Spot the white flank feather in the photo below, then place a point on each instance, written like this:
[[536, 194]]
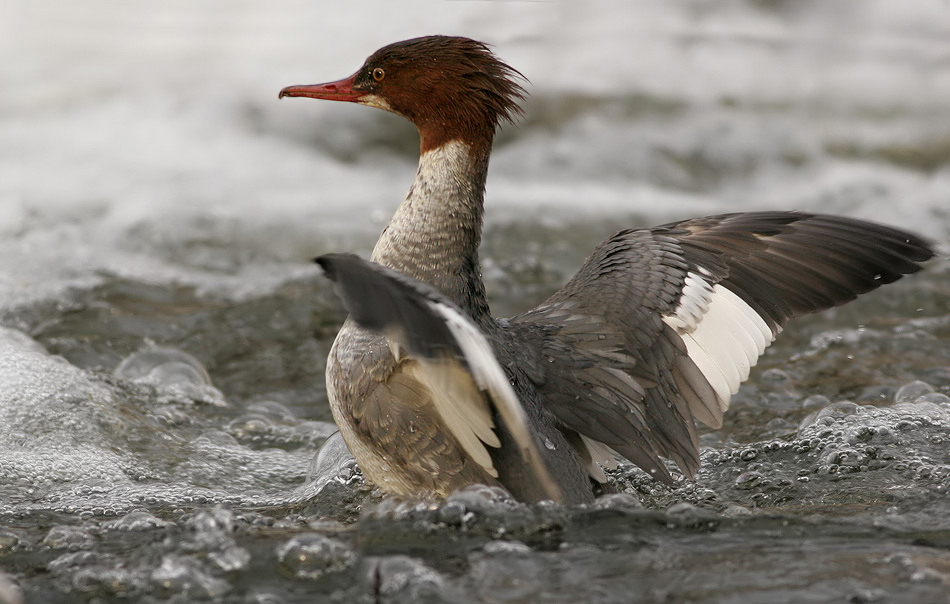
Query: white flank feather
[[491, 378], [461, 405]]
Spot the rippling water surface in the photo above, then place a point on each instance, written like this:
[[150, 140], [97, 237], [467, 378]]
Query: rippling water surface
[[164, 431]]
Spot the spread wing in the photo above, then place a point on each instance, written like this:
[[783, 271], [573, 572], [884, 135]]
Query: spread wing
[[451, 361], [660, 325]]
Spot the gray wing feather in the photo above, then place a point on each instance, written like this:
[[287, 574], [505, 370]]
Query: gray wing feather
[[630, 308]]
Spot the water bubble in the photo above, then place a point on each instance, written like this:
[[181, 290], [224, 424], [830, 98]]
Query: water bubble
[[774, 376], [736, 511], [749, 480], [911, 391], [185, 576], [171, 415], [618, 501], [250, 426], [311, 555], [141, 365], [453, 513], [483, 499], [685, 512], [272, 409], [331, 461], [210, 530], [70, 562], [94, 573], [506, 547], [136, 521], [180, 376], [935, 398], [216, 438], [72, 538], [748, 454], [313, 431], [839, 409], [405, 579], [10, 541], [106, 581], [396, 509], [231, 558], [876, 393]]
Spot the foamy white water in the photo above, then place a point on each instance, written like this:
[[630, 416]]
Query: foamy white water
[[135, 137]]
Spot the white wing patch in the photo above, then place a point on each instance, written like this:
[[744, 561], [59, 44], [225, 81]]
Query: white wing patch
[[724, 336], [694, 302], [460, 401]]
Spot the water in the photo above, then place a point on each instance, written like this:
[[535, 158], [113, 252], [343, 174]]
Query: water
[[163, 334]]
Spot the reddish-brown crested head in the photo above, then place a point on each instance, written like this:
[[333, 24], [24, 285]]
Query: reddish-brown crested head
[[450, 88]]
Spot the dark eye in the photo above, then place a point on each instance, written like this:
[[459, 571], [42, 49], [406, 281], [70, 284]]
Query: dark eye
[[379, 74]]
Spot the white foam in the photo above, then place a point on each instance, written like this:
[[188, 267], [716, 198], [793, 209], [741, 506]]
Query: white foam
[[162, 153]]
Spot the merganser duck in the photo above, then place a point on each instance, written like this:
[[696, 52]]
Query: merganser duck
[[658, 327]]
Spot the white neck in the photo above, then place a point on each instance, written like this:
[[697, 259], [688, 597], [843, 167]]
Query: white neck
[[435, 233]]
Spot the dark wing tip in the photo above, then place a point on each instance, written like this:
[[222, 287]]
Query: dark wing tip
[[787, 264], [389, 302], [335, 265], [326, 263]]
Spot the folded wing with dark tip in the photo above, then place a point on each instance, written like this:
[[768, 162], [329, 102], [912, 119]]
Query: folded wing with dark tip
[[663, 324], [458, 361]]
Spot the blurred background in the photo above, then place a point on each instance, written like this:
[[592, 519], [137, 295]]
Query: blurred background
[[146, 138]]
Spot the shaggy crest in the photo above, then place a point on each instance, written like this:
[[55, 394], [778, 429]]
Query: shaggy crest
[[449, 87]]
